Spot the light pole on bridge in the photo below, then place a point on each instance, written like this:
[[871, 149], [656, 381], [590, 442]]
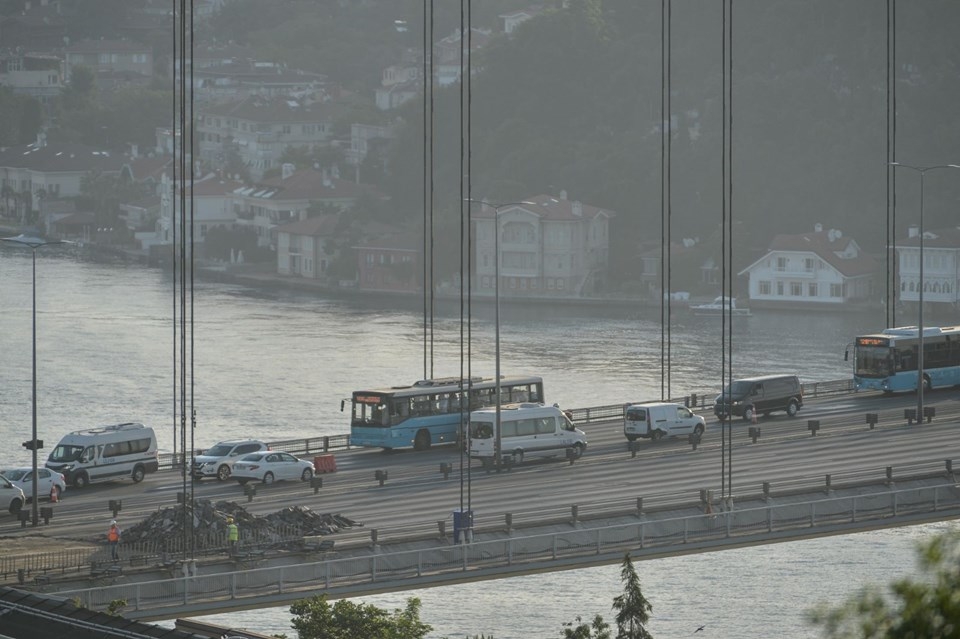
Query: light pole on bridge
[[34, 243]]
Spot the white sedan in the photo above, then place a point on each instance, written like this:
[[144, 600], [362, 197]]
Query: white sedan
[[50, 480], [269, 466]]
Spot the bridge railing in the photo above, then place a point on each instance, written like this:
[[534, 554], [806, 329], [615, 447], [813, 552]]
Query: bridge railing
[[702, 401], [517, 554]]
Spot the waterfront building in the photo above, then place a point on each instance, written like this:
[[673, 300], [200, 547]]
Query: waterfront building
[[941, 266], [823, 268]]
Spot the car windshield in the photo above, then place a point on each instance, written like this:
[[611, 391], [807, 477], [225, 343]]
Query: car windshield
[[65, 453], [15, 475], [739, 388], [220, 450], [252, 457]]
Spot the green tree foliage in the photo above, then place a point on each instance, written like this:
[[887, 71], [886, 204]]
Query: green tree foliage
[[579, 629], [633, 609], [104, 194], [924, 608], [113, 120], [633, 612], [316, 618]]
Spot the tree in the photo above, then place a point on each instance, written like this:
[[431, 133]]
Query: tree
[[598, 629], [315, 618], [633, 609], [928, 607]]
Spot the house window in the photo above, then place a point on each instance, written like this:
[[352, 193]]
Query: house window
[[780, 289], [781, 264], [796, 289], [809, 265], [370, 259], [764, 287], [812, 289], [836, 290], [550, 284], [560, 284], [533, 284], [285, 129]]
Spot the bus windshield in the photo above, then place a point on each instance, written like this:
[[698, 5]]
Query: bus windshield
[[874, 361], [481, 430]]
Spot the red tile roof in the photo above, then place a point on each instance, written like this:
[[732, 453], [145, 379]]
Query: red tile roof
[[938, 238]]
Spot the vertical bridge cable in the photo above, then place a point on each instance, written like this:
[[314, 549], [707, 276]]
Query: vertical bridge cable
[[664, 248], [193, 163], [464, 275], [428, 165], [725, 279], [729, 185], [173, 229], [891, 225], [467, 80]]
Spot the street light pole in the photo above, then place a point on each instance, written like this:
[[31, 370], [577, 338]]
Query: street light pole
[[922, 170], [498, 438], [34, 243]]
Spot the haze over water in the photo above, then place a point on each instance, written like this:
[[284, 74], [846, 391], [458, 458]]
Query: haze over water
[[277, 364]]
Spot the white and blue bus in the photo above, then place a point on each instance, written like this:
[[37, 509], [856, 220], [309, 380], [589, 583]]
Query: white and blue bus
[[888, 360], [429, 411]]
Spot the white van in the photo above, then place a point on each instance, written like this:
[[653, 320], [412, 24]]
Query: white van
[[657, 419], [526, 429], [106, 452]]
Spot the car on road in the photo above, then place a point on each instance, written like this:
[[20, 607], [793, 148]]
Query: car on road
[[50, 480], [218, 460], [268, 467], [11, 496]]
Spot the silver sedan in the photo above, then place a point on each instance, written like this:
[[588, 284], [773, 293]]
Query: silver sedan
[[268, 466], [49, 481]]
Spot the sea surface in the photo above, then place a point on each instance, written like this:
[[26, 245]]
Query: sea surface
[[276, 365]]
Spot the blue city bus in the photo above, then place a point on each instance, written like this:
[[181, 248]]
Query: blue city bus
[[888, 360], [428, 412]]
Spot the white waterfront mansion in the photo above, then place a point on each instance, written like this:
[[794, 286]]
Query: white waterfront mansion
[[813, 269]]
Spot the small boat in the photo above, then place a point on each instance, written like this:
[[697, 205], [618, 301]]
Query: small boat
[[719, 306]]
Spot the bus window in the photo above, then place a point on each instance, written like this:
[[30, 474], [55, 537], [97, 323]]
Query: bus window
[[546, 426]]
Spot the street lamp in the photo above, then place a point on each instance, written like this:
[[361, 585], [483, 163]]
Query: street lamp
[[497, 442], [34, 243], [922, 170]]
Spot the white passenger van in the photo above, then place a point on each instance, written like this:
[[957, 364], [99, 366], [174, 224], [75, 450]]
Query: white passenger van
[[106, 452], [658, 419], [526, 429]]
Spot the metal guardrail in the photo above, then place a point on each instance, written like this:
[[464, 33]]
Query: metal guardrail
[[590, 415], [515, 554]]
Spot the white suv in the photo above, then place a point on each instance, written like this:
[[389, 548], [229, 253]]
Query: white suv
[[11, 495], [218, 460]]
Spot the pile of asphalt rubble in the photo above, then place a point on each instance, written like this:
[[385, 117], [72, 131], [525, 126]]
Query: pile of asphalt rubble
[[209, 522]]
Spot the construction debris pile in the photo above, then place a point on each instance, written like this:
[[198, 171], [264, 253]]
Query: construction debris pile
[[209, 522]]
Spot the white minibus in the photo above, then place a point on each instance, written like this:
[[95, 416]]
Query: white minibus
[[116, 451], [526, 429]]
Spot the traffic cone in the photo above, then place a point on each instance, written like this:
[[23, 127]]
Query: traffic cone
[[54, 495]]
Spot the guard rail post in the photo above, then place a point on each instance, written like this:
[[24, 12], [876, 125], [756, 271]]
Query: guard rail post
[[766, 490], [872, 419], [889, 475], [316, 483], [116, 505], [694, 439], [445, 470], [639, 506], [380, 476], [633, 447], [442, 526], [814, 426], [929, 412], [575, 512], [754, 433], [46, 513], [250, 491], [910, 414], [827, 490], [949, 465]]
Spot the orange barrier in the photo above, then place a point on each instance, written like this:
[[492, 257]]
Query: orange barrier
[[325, 464]]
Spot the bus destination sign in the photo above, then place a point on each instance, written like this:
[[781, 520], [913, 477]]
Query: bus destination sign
[[873, 341], [368, 399]]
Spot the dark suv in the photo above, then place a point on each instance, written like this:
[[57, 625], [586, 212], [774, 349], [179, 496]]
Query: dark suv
[[747, 397]]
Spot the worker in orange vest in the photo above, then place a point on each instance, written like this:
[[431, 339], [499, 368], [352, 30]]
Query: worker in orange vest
[[113, 538]]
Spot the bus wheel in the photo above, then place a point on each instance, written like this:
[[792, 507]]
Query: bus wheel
[[698, 430], [81, 480], [422, 440], [577, 451]]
